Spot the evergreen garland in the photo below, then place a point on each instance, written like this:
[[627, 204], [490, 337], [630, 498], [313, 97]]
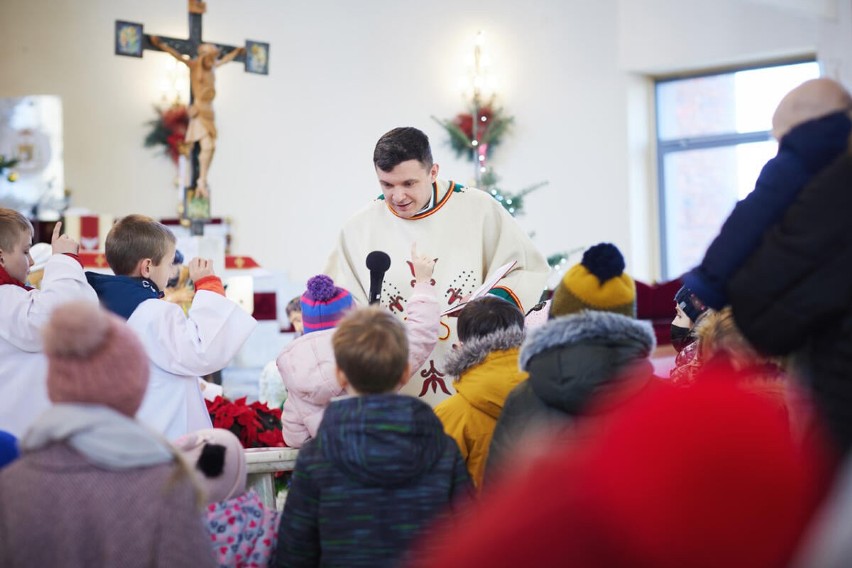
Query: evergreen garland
[[8, 164], [511, 202], [492, 124]]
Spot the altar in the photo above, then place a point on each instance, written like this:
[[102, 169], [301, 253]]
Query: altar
[[262, 464]]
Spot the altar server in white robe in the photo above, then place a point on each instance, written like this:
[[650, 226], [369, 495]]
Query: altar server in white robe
[[24, 311], [470, 232], [181, 347]]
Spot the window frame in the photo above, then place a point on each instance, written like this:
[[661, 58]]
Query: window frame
[[667, 147]]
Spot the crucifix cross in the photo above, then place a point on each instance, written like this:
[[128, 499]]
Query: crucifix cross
[[201, 58]]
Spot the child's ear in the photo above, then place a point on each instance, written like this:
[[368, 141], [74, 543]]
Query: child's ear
[[406, 376], [341, 378], [143, 268]]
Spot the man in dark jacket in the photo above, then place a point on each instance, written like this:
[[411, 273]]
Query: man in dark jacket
[[380, 469], [591, 345], [794, 294]]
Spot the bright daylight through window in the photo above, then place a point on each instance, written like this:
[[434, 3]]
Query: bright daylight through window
[[713, 137]]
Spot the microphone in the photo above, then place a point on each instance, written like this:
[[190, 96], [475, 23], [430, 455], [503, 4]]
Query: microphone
[[378, 263]]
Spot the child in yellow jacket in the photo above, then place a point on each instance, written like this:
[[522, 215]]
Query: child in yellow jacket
[[491, 331]]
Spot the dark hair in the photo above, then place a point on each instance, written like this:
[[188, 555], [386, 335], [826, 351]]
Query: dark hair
[[400, 145], [294, 306], [486, 315], [134, 238], [371, 348]]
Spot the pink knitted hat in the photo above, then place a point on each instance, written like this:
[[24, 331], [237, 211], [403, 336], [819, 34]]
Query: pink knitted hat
[[93, 357], [219, 458]]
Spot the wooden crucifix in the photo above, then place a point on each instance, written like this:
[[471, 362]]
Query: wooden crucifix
[[201, 58]]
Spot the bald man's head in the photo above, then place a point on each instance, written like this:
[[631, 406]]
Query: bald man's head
[[811, 100]]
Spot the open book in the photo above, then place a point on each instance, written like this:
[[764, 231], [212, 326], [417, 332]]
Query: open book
[[489, 283]]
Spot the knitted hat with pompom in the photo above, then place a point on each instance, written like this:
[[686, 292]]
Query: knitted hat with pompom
[[94, 358], [598, 282], [323, 304], [218, 457]]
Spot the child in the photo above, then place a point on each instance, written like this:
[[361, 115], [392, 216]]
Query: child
[[491, 331], [93, 486], [271, 389], [307, 364], [689, 309], [381, 468], [294, 314], [812, 125], [241, 530], [23, 312], [721, 344], [591, 346], [182, 347]]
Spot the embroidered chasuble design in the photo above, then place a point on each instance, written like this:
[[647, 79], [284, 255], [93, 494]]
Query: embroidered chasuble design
[[469, 234]]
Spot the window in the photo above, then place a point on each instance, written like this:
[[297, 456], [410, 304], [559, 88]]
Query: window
[[713, 137]]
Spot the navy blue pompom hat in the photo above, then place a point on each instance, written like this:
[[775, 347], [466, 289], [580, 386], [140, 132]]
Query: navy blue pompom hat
[[598, 282], [691, 304]]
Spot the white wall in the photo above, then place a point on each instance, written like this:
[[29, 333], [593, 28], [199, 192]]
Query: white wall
[[294, 156]]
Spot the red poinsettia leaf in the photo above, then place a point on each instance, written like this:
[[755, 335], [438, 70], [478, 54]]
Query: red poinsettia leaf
[[271, 439], [248, 419], [224, 422]]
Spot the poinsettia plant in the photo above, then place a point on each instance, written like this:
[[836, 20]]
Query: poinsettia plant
[[255, 424], [169, 130]]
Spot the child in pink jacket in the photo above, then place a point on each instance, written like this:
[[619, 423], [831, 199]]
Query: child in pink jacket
[[307, 364]]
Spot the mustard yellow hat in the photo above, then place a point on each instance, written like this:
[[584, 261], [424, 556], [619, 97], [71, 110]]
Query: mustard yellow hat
[[598, 282]]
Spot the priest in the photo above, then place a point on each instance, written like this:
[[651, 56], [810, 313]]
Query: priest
[[465, 229]]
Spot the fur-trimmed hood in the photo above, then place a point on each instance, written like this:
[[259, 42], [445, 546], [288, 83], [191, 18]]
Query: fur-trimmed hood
[[487, 370], [473, 352], [572, 357], [587, 325]]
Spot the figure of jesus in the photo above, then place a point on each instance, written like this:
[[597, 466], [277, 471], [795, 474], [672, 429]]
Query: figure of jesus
[[202, 126]]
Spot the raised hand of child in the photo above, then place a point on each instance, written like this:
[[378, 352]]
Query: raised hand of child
[[63, 244], [199, 268], [423, 266]]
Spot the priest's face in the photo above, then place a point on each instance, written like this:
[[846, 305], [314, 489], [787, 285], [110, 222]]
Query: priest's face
[[408, 187]]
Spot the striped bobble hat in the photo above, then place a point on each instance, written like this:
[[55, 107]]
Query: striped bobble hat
[[598, 282], [324, 304]]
